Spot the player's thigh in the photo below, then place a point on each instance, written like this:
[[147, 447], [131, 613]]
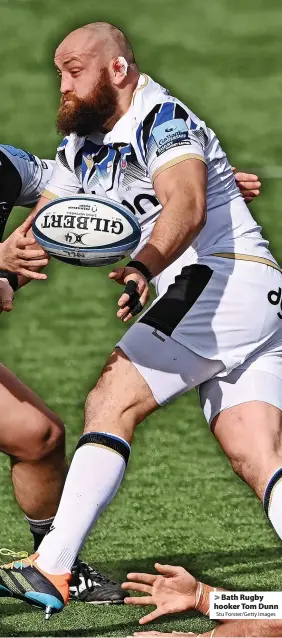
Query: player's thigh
[[28, 428], [120, 399], [245, 413], [146, 370]]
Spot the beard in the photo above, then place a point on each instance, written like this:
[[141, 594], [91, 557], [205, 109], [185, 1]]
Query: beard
[[84, 116]]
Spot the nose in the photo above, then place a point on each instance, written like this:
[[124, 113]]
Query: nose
[[66, 84]]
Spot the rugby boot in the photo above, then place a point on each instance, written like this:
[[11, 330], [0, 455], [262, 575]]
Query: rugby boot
[[11, 555], [88, 585], [24, 580]]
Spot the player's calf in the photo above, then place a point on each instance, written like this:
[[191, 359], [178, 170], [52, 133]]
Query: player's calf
[[34, 438], [250, 435], [120, 400]]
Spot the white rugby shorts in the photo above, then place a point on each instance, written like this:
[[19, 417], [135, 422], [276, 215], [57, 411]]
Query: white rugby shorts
[[216, 326]]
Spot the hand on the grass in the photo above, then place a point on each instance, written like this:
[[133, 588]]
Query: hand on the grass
[[17, 256], [6, 296], [173, 592], [131, 304], [160, 634], [249, 185]]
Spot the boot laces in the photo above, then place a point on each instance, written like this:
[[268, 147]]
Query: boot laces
[[21, 558]]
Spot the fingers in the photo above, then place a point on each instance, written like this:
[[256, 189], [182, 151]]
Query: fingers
[[244, 186], [152, 616], [139, 577], [138, 600], [171, 570], [6, 296], [146, 589], [148, 633], [129, 301], [27, 224], [247, 177], [22, 242], [32, 254], [30, 274], [6, 305], [34, 263], [118, 275], [130, 296]]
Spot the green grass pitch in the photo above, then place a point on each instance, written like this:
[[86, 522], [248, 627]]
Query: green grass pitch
[[180, 503]]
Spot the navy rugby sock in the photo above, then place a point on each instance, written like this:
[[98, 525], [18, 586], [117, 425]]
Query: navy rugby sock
[[273, 501]]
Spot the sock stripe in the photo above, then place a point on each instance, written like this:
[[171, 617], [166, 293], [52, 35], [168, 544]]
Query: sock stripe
[[107, 441], [269, 488]]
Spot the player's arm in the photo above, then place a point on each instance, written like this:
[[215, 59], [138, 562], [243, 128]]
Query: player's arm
[[176, 590], [181, 189], [20, 253]]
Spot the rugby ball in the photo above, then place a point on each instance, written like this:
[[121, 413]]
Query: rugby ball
[[86, 230]]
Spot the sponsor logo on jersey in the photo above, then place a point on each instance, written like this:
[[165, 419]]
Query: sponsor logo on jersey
[[169, 134]]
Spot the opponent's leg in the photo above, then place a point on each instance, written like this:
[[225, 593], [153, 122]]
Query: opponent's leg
[[125, 394], [33, 437]]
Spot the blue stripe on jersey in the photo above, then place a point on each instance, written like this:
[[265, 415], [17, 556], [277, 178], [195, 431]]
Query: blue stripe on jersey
[[165, 114], [103, 164], [63, 143], [18, 152], [193, 124], [139, 141]]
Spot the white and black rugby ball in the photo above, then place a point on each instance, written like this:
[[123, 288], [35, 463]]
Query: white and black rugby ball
[[86, 230]]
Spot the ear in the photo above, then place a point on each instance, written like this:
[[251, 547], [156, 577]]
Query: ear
[[119, 69]]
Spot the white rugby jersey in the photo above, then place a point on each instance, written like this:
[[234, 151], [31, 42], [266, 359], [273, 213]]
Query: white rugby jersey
[[157, 131], [22, 179]]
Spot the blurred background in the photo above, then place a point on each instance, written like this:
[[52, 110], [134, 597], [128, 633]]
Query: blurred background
[[180, 502]]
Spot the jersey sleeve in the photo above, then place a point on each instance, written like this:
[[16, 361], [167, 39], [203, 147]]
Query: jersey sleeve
[[63, 182], [169, 135], [10, 188]]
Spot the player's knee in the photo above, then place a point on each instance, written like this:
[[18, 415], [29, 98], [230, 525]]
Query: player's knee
[[46, 437], [119, 417]]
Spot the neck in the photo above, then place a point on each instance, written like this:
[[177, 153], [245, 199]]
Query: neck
[[124, 100]]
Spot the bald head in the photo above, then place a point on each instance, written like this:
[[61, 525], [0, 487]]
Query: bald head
[[98, 78], [98, 39]]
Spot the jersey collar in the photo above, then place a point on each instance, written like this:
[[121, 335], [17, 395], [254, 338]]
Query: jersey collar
[[122, 131]]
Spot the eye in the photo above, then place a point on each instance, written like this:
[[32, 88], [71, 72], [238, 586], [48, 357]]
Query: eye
[[75, 72]]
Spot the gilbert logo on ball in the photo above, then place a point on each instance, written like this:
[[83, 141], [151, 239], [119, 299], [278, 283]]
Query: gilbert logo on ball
[[86, 231]]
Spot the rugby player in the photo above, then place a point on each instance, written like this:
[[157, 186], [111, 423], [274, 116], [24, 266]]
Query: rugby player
[[31, 434], [216, 321], [175, 590]]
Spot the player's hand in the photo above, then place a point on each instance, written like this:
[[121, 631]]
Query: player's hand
[[160, 634], [173, 592], [17, 256], [6, 296], [136, 292], [249, 185]]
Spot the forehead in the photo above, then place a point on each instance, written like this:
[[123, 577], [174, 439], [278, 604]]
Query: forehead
[[79, 45]]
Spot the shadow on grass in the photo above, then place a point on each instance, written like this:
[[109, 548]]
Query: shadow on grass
[[201, 564]]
